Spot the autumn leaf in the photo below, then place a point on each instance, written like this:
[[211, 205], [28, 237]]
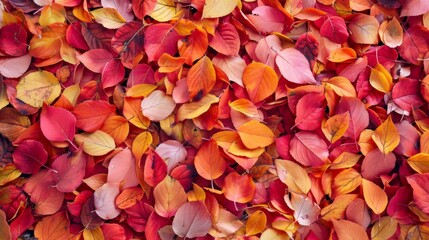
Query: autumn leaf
[[294, 176], [375, 197], [238, 188], [386, 136], [209, 162], [169, 196], [37, 88]]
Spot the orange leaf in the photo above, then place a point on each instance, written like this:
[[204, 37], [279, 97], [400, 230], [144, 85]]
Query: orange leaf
[[380, 79], [256, 223], [239, 188], [117, 127], [349, 230], [374, 196], [363, 29], [346, 181], [345, 160], [247, 108], [4, 226], [208, 161], [341, 86], [129, 197], [255, 134], [132, 111], [195, 109], [169, 196], [419, 162], [237, 148], [342, 54], [260, 81], [201, 78], [337, 209], [386, 136], [335, 127], [294, 176], [168, 63], [53, 227]]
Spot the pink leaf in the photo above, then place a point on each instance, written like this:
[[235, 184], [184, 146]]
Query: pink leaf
[[112, 74], [294, 66], [376, 163], [160, 38], [309, 149], [157, 106], [96, 59], [406, 94], [57, 124], [334, 28], [310, 112], [305, 210], [359, 117], [192, 220], [232, 66], [104, 200], [409, 137], [122, 167], [70, 171], [419, 183], [267, 19], [173, 152], [8, 66]]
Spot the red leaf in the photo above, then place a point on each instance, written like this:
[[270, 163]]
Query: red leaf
[[142, 73], [308, 45], [262, 15], [113, 231], [309, 149], [29, 156], [48, 199], [90, 115], [138, 215], [359, 117], [409, 137], [128, 41], [70, 170], [160, 38], [406, 94], [420, 188], [310, 112], [96, 59], [21, 223], [226, 40], [74, 36], [155, 169], [13, 40], [192, 220], [112, 74], [415, 44], [57, 124], [154, 223], [376, 163], [334, 28]]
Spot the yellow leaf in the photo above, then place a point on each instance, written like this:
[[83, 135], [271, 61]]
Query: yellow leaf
[[8, 174], [345, 160], [256, 223], [108, 17], [52, 13], [419, 162], [337, 209], [37, 88], [71, 93], [140, 90], [140, 144], [335, 127], [218, 8], [294, 176], [133, 112], [237, 148], [272, 234], [341, 86], [374, 196], [164, 10], [97, 143], [195, 109], [386, 136], [384, 228], [255, 134], [93, 234], [346, 181], [380, 79]]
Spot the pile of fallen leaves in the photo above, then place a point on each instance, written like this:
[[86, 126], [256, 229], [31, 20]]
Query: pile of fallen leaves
[[226, 119]]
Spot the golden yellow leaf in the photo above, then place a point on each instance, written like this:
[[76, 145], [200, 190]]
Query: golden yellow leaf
[[108, 17], [384, 228], [96, 143], [52, 13], [164, 10], [140, 144], [237, 148], [195, 109], [8, 173], [140, 90], [93, 234], [273, 234], [386, 136], [337, 209], [247, 108], [294, 176], [38, 87], [335, 127], [256, 223], [419, 162], [346, 181], [218, 8], [380, 79], [345, 160], [374, 196], [4, 101], [255, 134], [342, 54]]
